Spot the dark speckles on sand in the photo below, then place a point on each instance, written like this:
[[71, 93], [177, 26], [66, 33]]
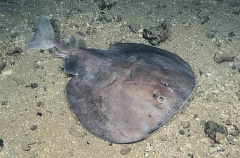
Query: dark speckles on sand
[[1, 144]]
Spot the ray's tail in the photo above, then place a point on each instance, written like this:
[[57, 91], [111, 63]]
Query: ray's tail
[[44, 36]]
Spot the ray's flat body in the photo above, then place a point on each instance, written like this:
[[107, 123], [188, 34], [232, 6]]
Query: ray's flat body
[[124, 93]]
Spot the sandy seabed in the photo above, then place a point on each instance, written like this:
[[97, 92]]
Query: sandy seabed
[[36, 122]]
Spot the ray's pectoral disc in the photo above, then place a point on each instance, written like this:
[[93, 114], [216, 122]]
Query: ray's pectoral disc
[[130, 107]]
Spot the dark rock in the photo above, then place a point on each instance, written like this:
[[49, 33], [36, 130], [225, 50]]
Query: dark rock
[[125, 151], [1, 143], [236, 12], [182, 132], [39, 114], [2, 66], [212, 128], [3, 102], [233, 67], [16, 52], [231, 34], [191, 155], [34, 85], [157, 34], [33, 127]]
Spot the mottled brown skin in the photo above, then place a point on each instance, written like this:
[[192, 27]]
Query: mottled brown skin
[[126, 92]]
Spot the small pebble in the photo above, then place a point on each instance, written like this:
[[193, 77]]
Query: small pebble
[[34, 85], [182, 132], [210, 35], [14, 34], [185, 124], [39, 114], [125, 151], [33, 127], [108, 17], [230, 138], [219, 136], [146, 154], [228, 122]]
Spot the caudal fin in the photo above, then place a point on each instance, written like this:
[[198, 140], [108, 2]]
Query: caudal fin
[[44, 36]]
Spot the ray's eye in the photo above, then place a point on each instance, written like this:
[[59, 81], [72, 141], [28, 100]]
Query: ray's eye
[[155, 95], [165, 84], [161, 99]]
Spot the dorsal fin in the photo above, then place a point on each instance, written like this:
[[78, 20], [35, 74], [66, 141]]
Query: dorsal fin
[[44, 36]]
